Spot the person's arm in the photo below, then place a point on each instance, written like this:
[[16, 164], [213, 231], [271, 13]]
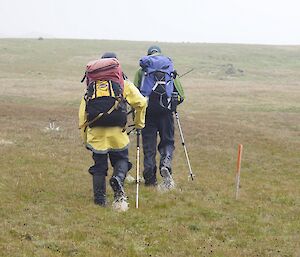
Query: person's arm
[[137, 101], [179, 89], [82, 120], [138, 78]]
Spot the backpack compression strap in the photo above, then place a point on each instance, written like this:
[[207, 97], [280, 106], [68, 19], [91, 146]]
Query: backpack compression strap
[[86, 124]]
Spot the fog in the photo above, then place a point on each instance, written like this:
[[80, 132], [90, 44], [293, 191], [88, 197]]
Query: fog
[[212, 21]]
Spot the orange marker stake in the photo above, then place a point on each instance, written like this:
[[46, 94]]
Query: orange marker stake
[[238, 170]]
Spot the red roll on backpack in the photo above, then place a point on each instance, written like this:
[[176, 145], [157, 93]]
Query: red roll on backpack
[[104, 69]]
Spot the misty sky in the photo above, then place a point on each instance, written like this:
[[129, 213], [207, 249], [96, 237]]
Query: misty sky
[[221, 21]]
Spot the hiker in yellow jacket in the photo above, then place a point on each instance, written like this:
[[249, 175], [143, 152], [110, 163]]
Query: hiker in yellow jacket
[[111, 142]]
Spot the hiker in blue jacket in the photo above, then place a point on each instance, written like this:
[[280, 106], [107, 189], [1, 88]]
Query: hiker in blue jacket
[[156, 79]]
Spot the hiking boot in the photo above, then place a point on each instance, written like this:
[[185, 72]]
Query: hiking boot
[[117, 187], [150, 183], [168, 182], [100, 202], [99, 188], [120, 200], [150, 177]]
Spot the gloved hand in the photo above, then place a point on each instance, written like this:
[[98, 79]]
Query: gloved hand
[[175, 74], [175, 99], [139, 126], [138, 131]]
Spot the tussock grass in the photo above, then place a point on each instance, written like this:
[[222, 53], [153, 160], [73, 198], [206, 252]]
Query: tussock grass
[[45, 189]]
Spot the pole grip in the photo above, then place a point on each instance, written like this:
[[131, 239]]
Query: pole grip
[[138, 133]]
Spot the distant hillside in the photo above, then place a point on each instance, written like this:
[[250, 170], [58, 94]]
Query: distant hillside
[[210, 61]]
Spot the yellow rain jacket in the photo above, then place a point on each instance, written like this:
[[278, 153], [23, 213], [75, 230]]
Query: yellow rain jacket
[[104, 139]]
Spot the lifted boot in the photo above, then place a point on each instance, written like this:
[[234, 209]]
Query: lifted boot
[[117, 186], [120, 200], [168, 182]]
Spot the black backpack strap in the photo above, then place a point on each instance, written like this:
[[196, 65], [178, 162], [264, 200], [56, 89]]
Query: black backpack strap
[[90, 90], [109, 88], [117, 89], [83, 77]]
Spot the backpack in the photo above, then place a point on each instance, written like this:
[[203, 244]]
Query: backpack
[[105, 104], [104, 69], [157, 81]]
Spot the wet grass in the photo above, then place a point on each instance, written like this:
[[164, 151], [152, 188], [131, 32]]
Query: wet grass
[[45, 189]]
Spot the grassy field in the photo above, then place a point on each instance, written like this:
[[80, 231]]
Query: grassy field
[[237, 94]]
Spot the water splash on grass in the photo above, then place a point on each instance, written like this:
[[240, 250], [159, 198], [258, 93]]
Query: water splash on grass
[[6, 142], [120, 205]]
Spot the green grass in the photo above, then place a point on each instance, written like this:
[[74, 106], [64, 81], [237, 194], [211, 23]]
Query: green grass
[[45, 189]]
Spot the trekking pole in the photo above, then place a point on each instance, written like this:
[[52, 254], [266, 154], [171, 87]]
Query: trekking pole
[[138, 133], [180, 76], [184, 147]]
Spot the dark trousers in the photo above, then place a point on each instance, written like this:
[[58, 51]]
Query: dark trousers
[[163, 125], [118, 160]]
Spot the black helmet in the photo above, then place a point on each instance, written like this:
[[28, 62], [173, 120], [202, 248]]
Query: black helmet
[[109, 55], [153, 50]]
